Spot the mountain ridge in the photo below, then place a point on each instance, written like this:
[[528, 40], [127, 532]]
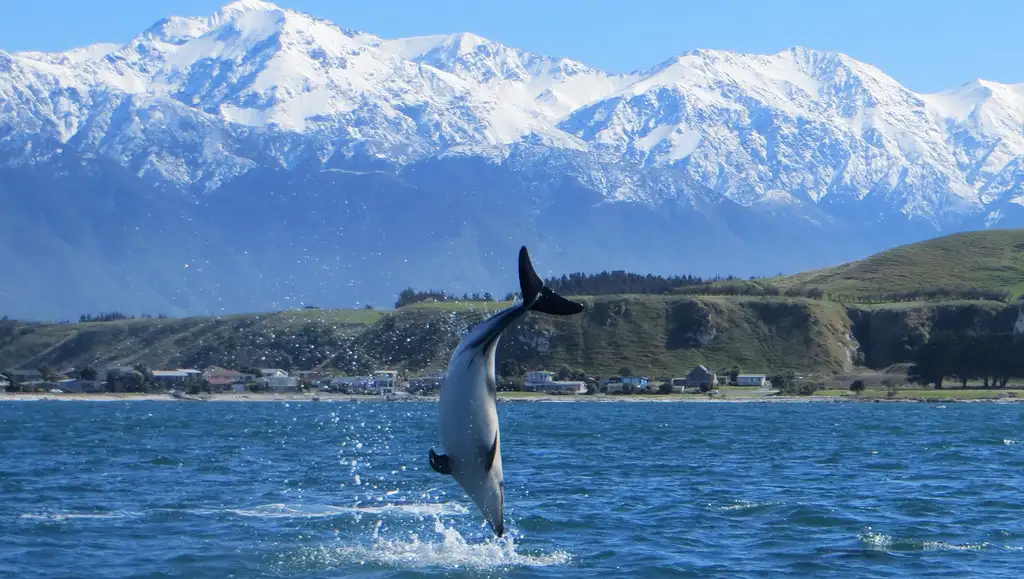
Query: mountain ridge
[[260, 158], [257, 66]]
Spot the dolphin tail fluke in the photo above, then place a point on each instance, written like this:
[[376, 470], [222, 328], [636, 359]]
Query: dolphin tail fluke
[[538, 298]]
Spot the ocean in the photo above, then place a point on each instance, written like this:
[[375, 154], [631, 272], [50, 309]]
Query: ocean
[[323, 489]]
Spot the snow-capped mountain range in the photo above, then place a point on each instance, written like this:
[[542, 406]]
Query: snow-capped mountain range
[[203, 105]]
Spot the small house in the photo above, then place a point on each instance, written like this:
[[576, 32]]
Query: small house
[[385, 381], [82, 386], [169, 376], [563, 387], [760, 380], [280, 383], [427, 383], [222, 377], [638, 382], [25, 376], [701, 376]]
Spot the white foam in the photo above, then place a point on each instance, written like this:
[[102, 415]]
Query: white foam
[[452, 551], [279, 510], [58, 517], [883, 542]]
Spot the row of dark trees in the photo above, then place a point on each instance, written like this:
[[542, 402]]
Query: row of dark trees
[[621, 282], [931, 295], [993, 358], [115, 316], [409, 296], [579, 284]]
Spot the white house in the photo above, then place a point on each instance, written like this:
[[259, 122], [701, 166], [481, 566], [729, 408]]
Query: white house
[[170, 376], [539, 377], [544, 381], [563, 387], [751, 380], [280, 383], [385, 381], [269, 372]]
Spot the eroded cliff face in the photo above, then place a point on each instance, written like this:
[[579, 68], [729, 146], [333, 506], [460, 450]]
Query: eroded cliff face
[[653, 335], [888, 334]]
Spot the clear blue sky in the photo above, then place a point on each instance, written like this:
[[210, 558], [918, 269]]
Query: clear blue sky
[[926, 45]]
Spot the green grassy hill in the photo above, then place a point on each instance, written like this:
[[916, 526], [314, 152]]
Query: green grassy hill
[[990, 260], [302, 337], [656, 335]]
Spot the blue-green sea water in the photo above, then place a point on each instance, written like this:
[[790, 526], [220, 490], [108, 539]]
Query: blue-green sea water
[[221, 489]]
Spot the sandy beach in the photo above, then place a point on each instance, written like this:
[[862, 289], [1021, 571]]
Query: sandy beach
[[502, 397]]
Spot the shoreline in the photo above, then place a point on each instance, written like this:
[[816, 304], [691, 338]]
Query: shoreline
[[518, 397]]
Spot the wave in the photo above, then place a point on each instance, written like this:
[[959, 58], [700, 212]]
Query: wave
[[883, 542], [59, 517], [278, 510]]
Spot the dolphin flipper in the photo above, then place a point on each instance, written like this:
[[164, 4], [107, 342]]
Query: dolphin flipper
[[439, 462], [489, 459], [538, 298]]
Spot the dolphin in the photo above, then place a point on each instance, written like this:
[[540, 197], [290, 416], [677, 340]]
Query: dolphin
[[468, 416]]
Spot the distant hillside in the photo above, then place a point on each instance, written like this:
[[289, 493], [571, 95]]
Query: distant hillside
[[986, 260], [656, 335], [300, 338], [828, 326], [652, 335]]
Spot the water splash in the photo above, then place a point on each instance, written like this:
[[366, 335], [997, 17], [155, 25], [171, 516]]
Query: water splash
[[450, 550]]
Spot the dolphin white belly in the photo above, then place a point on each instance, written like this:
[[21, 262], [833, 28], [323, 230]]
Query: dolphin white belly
[[468, 414]]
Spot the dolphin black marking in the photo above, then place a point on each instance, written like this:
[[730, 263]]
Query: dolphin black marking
[[489, 461], [468, 417]]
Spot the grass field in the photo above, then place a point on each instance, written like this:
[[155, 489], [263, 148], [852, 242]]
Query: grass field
[[992, 259]]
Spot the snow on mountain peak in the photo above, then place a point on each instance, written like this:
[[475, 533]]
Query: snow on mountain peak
[[742, 126], [239, 7]]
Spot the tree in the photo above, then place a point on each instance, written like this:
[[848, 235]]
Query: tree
[[857, 386], [935, 360], [734, 375], [891, 387], [118, 381], [626, 371], [49, 374], [88, 373], [195, 383], [783, 381], [564, 373], [147, 374], [511, 368]]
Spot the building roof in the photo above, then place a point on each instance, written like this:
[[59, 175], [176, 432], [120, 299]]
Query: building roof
[[738, 376], [170, 373]]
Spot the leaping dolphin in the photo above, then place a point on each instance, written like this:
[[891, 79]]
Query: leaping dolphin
[[468, 417]]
